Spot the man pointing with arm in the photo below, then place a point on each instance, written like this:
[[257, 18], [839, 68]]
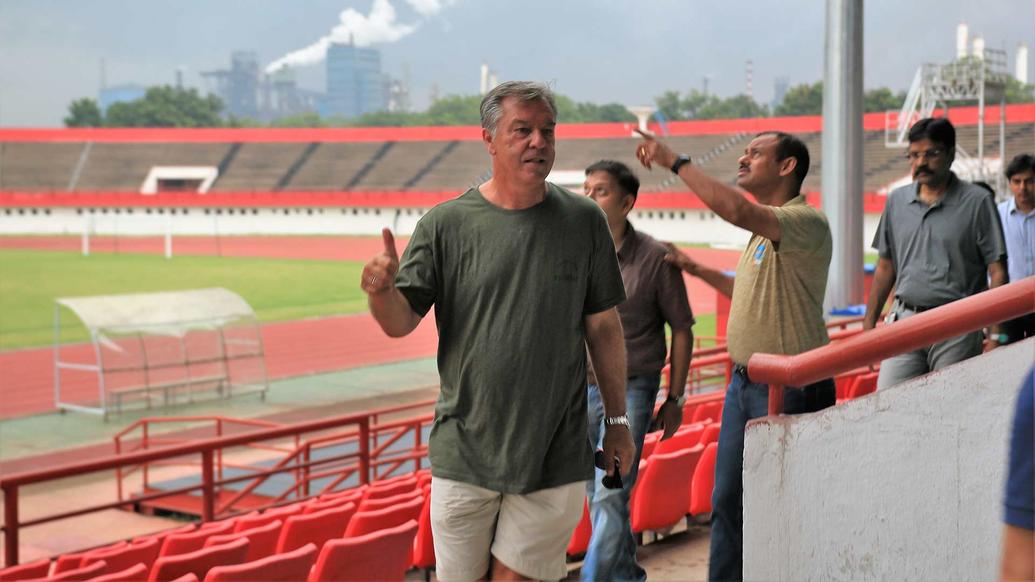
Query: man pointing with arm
[[522, 276]]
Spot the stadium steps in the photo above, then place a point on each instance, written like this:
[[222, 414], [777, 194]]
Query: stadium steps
[[391, 171], [79, 165], [369, 165], [258, 167], [37, 166], [224, 163], [465, 165], [296, 166], [431, 164]]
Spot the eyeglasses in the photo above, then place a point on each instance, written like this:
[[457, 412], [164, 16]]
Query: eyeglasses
[[925, 155]]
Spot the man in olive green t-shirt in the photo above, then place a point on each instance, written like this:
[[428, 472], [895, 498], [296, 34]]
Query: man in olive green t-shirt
[[777, 303], [523, 276]]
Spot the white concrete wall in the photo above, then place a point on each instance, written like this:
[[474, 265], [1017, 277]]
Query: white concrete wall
[[689, 226], [905, 484]]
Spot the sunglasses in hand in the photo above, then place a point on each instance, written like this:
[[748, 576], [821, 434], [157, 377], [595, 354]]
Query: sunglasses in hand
[[609, 481]]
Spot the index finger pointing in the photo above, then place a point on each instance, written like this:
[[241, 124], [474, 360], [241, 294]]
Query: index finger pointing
[[645, 134], [389, 241]]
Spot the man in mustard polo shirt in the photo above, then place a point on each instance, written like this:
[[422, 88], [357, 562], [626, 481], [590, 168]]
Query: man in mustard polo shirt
[[777, 302]]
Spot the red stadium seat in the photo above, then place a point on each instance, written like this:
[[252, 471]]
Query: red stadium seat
[[863, 385], [703, 482], [164, 534], [373, 504], [710, 434], [390, 487], [188, 577], [131, 574], [364, 522], [72, 561], [37, 569], [255, 519], [262, 540], [287, 567], [649, 442], [83, 572], [708, 411], [657, 504], [687, 436], [321, 504], [315, 528], [348, 494], [198, 562], [424, 541], [181, 543], [579, 542], [124, 556], [381, 555]]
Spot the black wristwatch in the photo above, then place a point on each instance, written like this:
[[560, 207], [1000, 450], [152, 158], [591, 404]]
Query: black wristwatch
[[682, 159]]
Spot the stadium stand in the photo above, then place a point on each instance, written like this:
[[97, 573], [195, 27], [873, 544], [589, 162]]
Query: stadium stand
[[379, 555], [314, 528], [332, 166], [702, 483], [37, 569], [656, 502], [262, 540], [38, 166], [286, 567], [398, 165], [364, 522], [198, 562], [131, 574], [258, 167], [123, 167]]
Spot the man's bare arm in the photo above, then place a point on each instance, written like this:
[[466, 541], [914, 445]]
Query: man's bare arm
[[387, 304], [883, 281], [717, 279], [729, 203], [607, 349]]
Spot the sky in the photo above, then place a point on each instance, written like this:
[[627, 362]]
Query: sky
[[625, 51]]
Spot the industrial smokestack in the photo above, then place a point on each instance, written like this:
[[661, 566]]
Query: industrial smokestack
[[1021, 63], [749, 80], [979, 47], [961, 40], [484, 79]]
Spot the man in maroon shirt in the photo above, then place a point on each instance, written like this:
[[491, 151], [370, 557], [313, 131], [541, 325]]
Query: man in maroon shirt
[[656, 295]]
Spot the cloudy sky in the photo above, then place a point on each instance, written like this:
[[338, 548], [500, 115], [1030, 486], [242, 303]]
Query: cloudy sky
[[596, 50]]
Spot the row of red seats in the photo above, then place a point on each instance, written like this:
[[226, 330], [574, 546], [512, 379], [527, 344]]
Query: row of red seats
[[350, 535]]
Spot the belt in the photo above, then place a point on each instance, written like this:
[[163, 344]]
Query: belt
[[742, 371], [914, 308]]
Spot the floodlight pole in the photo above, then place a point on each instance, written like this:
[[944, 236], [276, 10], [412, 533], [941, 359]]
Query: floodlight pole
[[842, 175]]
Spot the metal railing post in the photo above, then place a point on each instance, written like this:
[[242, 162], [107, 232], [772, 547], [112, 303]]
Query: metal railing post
[[364, 451], [208, 501], [11, 525], [775, 399]]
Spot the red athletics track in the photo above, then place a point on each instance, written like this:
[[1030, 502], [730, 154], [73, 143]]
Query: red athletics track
[[293, 348]]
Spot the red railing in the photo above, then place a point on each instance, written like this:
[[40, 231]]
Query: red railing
[[861, 349]]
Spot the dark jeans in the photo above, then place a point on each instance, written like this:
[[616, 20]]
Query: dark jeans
[[1020, 328], [745, 401]]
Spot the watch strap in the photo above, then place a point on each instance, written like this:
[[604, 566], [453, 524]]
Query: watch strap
[[682, 160], [613, 420]]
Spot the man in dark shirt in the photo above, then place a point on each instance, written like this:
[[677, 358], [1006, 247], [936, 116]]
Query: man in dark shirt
[[656, 295], [522, 276]]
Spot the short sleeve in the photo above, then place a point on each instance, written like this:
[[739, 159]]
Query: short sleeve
[[672, 298], [990, 239], [1020, 480], [418, 275], [882, 238], [802, 228], [604, 288]]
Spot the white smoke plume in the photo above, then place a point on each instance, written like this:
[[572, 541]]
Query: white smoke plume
[[380, 26]]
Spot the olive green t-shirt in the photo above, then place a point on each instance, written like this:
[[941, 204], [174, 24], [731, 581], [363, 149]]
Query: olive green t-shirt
[[511, 289], [778, 292]]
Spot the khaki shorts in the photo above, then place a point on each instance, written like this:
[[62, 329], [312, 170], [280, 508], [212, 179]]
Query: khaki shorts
[[527, 533]]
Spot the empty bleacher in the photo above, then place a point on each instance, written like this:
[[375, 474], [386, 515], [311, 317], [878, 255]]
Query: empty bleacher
[[332, 166], [459, 169], [398, 164], [123, 166], [37, 166], [258, 167]]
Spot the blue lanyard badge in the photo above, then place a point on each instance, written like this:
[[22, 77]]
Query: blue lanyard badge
[[759, 253]]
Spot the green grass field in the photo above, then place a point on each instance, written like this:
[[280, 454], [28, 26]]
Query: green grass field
[[276, 289]]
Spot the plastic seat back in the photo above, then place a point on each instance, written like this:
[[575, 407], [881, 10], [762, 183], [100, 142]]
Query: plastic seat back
[[199, 562], [256, 519], [72, 561], [262, 540], [381, 555], [579, 542], [124, 556], [315, 528], [181, 543], [374, 504], [649, 443], [132, 574], [424, 541], [656, 504], [37, 569], [348, 494], [83, 572], [364, 522], [708, 411], [686, 437], [710, 434], [321, 504], [390, 488], [863, 385], [703, 482], [287, 567]]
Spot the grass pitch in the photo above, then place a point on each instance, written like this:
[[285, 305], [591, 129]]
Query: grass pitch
[[276, 289]]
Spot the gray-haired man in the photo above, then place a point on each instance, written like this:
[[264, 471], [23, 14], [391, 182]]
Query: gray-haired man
[[522, 275]]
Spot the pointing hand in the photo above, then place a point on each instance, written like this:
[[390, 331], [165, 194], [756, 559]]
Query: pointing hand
[[379, 273]]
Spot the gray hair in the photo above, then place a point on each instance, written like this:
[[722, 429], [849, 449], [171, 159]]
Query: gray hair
[[492, 104]]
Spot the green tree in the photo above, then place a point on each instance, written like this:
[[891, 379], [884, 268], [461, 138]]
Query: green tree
[[1017, 92], [304, 119], [670, 105], [802, 99], [736, 107], [882, 99], [455, 110], [84, 113], [167, 106]]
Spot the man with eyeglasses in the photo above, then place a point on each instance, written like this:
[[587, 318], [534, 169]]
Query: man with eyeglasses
[[939, 240]]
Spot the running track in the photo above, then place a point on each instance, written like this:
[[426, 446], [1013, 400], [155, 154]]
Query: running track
[[293, 348]]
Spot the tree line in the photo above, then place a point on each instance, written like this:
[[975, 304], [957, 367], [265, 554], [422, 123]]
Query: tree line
[[166, 106]]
